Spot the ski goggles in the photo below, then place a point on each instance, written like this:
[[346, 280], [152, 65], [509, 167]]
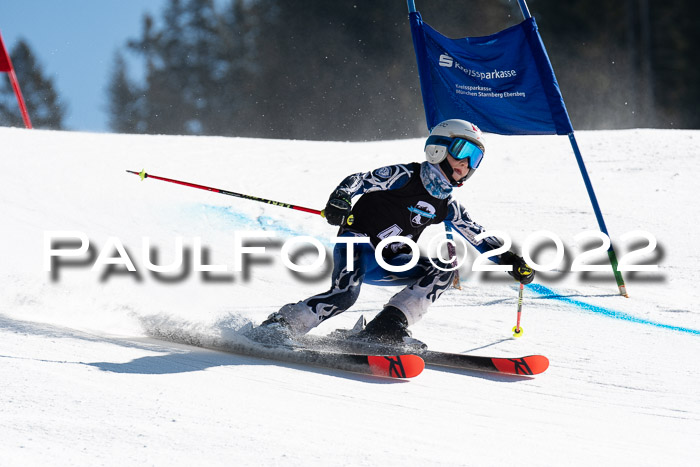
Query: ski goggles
[[459, 148]]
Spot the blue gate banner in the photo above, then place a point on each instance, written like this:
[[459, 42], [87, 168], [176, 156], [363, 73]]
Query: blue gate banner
[[504, 83]]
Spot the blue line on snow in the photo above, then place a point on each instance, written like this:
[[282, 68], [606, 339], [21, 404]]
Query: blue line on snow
[[548, 293], [235, 220]]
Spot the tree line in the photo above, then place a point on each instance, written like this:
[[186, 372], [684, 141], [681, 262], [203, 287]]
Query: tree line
[[345, 70]]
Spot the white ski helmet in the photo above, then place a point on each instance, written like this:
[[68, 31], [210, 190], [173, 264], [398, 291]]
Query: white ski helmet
[[459, 138]]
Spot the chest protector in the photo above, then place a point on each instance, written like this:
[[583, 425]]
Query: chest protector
[[406, 211]]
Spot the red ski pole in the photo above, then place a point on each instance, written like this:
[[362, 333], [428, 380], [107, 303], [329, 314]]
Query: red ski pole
[[145, 175]]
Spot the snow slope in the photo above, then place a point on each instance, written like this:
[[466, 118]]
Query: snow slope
[[81, 383]]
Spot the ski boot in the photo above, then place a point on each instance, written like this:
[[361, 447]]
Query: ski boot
[[275, 330], [389, 327]]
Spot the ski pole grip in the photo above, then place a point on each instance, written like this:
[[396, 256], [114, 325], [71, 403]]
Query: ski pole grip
[[348, 221]]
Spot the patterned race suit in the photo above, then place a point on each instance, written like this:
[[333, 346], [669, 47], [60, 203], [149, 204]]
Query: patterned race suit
[[398, 200]]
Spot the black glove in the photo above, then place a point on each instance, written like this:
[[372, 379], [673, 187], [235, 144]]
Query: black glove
[[521, 271], [338, 208]]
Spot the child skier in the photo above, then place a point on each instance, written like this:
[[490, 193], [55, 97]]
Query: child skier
[[398, 200]]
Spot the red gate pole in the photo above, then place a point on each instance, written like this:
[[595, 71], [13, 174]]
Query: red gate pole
[[6, 66]]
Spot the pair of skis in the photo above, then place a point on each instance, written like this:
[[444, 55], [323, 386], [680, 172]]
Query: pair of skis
[[360, 357], [412, 361], [409, 365]]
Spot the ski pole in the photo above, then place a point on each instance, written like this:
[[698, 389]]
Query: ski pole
[[517, 330], [145, 175]]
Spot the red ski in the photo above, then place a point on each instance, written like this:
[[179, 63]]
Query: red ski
[[396, 366], [388, 365], [530, 365]]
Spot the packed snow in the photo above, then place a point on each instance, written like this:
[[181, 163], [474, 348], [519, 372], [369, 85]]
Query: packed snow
[[84, 384]]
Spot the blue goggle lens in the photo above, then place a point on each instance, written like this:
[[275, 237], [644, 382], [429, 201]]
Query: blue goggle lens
[[460, 149]]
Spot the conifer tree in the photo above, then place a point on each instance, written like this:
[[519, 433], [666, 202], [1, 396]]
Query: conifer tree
[[124, 100], [45, 108]]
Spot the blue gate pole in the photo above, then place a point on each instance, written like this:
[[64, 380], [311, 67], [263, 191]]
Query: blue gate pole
[[524, 9], [411, 6], [598, 214], [589, 188]]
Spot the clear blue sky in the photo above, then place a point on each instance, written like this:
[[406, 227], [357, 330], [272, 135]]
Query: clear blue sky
[[74, 41]]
